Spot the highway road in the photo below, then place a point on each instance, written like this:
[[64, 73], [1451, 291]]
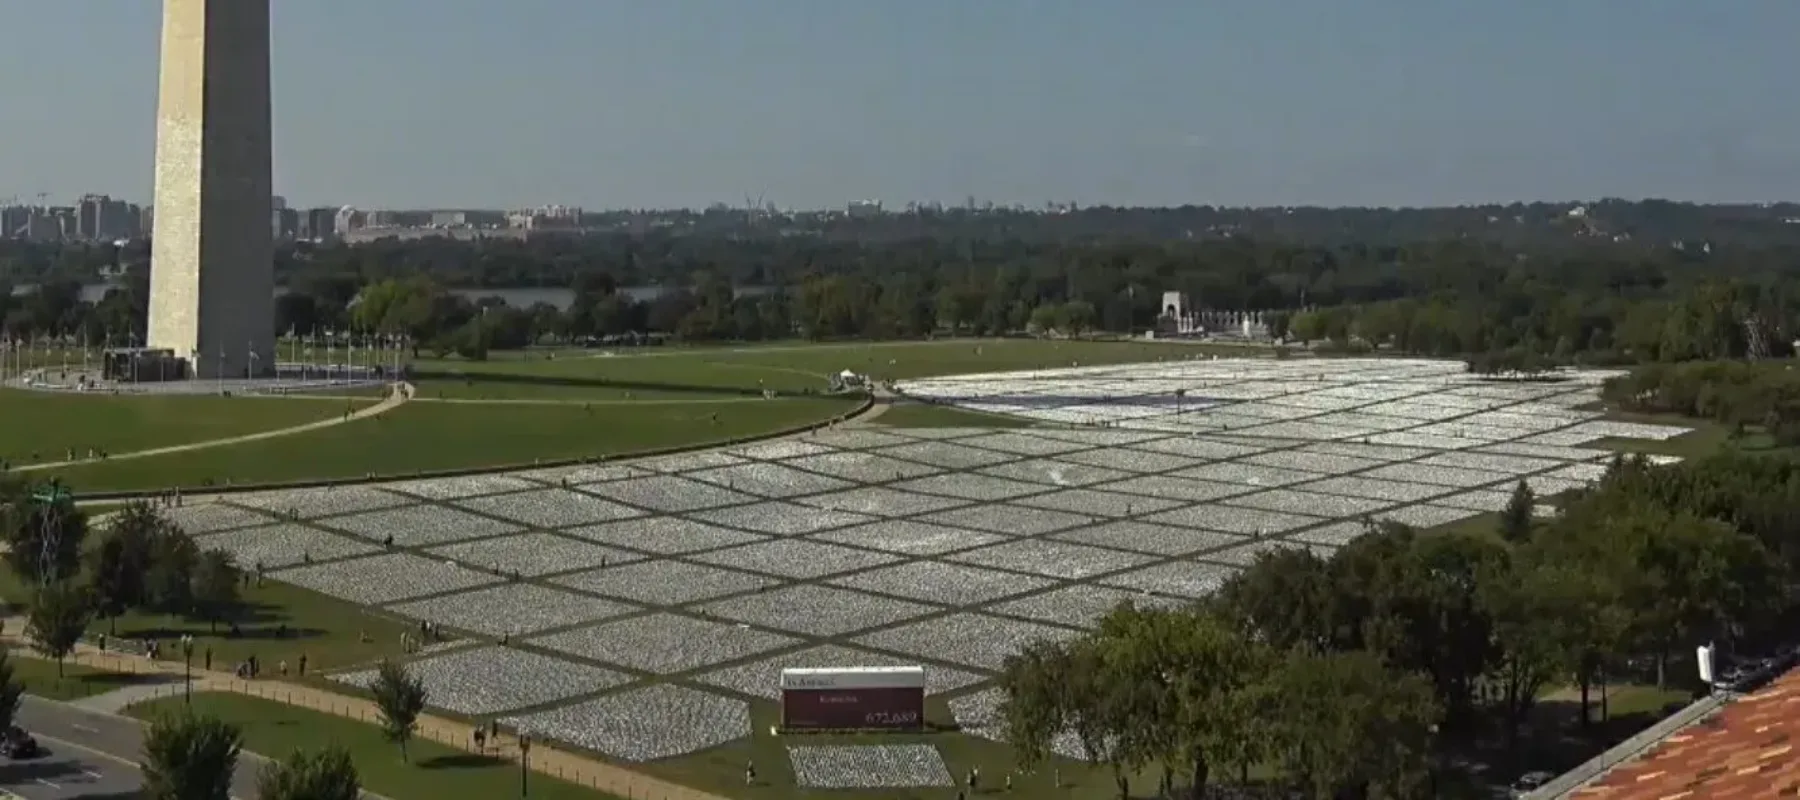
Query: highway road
[[92, 756]]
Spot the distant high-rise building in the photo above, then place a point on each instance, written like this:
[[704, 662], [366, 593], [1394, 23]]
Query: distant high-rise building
[[101, 218], [319, 224], [14, 220], [284, 223]]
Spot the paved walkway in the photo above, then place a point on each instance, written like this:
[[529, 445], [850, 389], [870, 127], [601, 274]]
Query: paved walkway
[[395, 399], [883, 400], [545, 758]]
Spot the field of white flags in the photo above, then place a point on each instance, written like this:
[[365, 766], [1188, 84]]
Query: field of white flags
[[637, 609]]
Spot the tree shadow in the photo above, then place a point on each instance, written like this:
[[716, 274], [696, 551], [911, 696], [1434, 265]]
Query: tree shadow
[[1552, 740], [165, 633], [588, 383], [49, 768], [462, 761], [107, 681]]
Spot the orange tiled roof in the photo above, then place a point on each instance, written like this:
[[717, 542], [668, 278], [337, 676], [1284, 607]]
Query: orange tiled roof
[[1746, 751]]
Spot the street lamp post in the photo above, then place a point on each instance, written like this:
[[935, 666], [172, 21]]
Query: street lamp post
[[187, 672], [524, 764]]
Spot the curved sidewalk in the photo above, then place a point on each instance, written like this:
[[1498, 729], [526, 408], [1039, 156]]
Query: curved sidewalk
[[394, 399], [547, 758]]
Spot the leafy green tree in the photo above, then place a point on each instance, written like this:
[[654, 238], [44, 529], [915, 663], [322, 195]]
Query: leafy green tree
[[1180, 680], [1527, 605], [1414, 600], [10, 691], [118, 567], [59, 615], [1285, 599], [1515, 518], [174, 560], [189, 757], [400, 697], [1078, 317], [326, 774], [216, 584], [1347, 723]]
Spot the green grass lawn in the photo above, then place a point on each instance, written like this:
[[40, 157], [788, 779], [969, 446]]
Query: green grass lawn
[[435, 436], [903, 360], [721, 769], [40, 677], [678, 373], [435, 771], [279, 622], [1708, 437], [920, 415], [658, 375], [43, 426]]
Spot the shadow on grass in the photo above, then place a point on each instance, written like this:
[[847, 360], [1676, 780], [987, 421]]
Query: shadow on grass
[[114, 680], [471, 378], [256, 622], [265, 634], [1553, 740], [462, 761]]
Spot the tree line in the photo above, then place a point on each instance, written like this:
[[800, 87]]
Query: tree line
[[1675, 283], [1742, 396], [141, 561], [1359, 672], [144, 561]]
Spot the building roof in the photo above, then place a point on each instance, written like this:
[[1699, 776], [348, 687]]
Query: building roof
[[1747, 751]]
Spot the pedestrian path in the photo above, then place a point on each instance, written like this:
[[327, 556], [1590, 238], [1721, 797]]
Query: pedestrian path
[[544, 758], [399, 396]]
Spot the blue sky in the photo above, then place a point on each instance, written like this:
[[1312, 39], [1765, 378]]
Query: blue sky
[[810, 103]]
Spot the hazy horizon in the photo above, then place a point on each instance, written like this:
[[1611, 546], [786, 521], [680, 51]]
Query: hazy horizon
[[812, 104]]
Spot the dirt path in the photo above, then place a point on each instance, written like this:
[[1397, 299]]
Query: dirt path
[[884, 400], [545, 758], [393, 400]]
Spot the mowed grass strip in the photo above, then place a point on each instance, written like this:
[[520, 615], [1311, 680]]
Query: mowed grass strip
[[900, 361], [433, 772], [38, 427], [424, 437], [39, 677], [668, 373]]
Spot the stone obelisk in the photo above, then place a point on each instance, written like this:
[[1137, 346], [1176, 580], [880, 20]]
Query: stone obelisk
[[212, 258]]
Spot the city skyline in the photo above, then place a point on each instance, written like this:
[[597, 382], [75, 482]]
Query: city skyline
[[806, 104]]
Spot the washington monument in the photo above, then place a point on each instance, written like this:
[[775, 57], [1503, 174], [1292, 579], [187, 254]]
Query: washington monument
[[212, 269]]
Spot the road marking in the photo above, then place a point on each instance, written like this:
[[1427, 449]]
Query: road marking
[[47, 783], [84, 728], [92, 774], [84, 748]]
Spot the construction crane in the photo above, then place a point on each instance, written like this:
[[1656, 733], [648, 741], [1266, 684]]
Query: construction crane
[[53, 502]]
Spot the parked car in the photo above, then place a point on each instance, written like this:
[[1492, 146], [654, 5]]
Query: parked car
[[1530, 782], [17, 744]]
